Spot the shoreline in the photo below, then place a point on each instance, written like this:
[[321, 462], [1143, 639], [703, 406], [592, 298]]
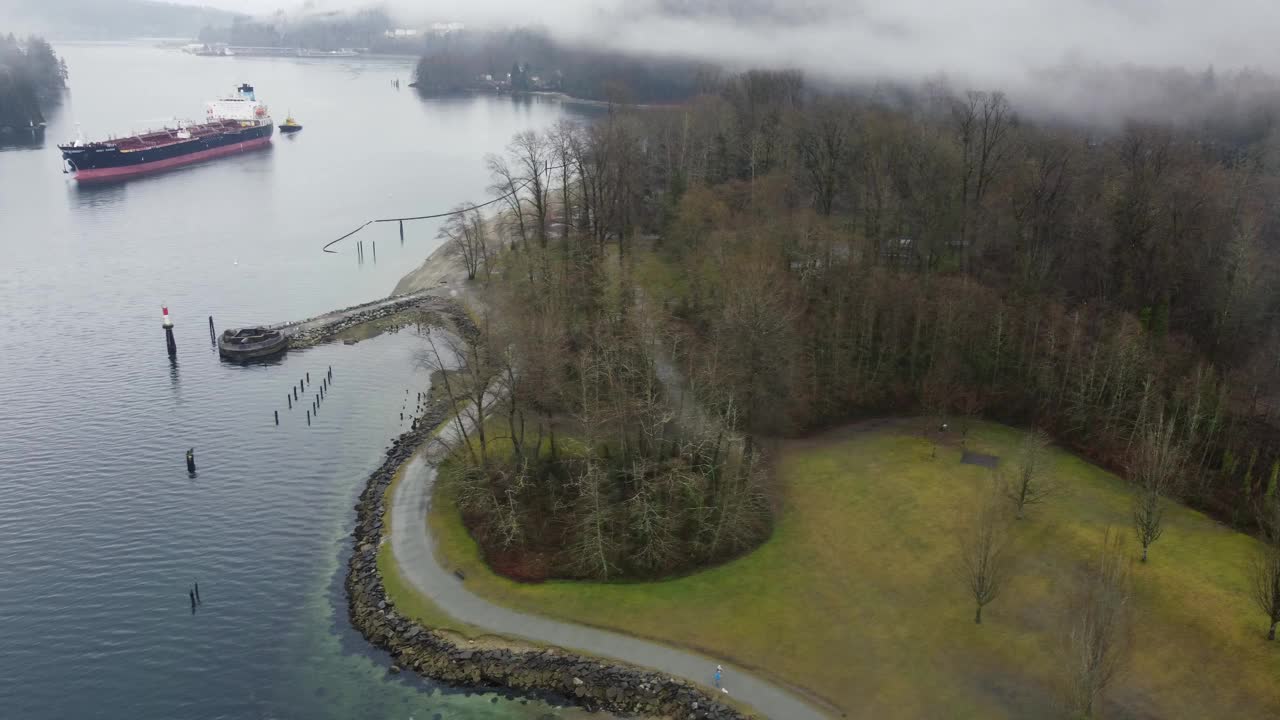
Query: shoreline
[[588, 682], [562, 675]]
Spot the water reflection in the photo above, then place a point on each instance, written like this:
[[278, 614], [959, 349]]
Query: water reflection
[[95, 194]]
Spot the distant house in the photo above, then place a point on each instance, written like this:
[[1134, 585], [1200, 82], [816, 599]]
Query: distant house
[[402, 33], [900, 252]]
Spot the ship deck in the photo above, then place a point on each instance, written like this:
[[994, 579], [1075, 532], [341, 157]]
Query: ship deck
[[167, 136]]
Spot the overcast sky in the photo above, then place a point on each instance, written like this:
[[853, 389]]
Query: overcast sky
[[979, 41]]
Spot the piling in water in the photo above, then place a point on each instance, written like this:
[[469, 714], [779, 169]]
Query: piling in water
[[277, 414], [213, 337], [289, 399], [191, 460], [308, 418], [401, 232]]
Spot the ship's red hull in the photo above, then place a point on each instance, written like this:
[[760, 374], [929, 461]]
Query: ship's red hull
[[112, 173]]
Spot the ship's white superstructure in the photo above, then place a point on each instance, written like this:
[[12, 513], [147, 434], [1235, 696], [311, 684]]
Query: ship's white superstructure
[[243, 107]]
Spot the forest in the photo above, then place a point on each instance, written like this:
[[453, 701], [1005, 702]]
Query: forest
[[458, 62], [31, 77], [669, 288], [364, 29]]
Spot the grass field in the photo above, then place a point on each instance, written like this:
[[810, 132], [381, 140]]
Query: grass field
[[856, 598]]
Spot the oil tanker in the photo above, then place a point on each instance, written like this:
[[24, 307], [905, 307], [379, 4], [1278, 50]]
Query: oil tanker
[[232, 124]]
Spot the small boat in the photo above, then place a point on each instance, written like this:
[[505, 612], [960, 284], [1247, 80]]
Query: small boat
[[251, 343], [290, 125]]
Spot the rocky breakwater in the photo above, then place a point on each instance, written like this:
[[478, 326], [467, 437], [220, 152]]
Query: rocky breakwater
[[586, 682], [322, 328]]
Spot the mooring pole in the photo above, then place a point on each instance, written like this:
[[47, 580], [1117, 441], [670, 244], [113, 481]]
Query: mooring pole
[[295, 393], [277, 413], [198, 600], [308, 378], [289, 399], [375, 251], [401, 232], [213, 336], [167, 324], [191, 460], [308, 418]]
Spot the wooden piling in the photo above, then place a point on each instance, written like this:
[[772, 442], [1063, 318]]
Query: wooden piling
[[308, 418], [401, 232], [213, 337], [277, 414], [289, 399]]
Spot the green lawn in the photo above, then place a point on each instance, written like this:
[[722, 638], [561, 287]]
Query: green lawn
[[856, 599]]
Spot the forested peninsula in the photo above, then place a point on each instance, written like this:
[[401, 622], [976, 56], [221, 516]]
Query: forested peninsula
[[803, 257], [31, 77]]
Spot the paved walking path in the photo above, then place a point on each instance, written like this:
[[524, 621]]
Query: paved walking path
[[415, 554]]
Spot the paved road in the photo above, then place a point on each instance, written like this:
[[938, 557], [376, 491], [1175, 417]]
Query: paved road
[[414, 552]]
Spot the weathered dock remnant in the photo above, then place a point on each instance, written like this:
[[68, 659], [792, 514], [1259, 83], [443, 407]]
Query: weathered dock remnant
[[254, 343]]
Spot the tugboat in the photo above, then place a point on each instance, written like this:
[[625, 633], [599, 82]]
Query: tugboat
[[290, 125], [253, 343]]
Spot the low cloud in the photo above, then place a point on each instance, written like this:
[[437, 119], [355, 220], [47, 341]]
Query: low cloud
[[1020, 46]]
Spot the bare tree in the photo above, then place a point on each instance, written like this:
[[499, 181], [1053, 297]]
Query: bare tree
[[465, 235], [823, 143], [532, 155], [982, 122], [1158, 462], [1031, 484], [507, 184], [984, 555], [1264, 574], [595, 540], [1097, 637]]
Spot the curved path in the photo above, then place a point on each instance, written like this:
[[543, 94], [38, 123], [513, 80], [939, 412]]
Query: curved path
[[414, 553]]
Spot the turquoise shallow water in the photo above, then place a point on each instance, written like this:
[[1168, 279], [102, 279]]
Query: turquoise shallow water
[[101, 530]]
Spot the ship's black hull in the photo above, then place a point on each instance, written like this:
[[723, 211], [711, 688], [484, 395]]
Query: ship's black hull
[[106, 160]]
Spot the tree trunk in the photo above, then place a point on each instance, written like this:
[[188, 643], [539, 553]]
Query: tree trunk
[[1144, 553], [977, 618], [1272, 634]]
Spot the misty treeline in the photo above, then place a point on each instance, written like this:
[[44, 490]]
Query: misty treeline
[[806, 258], [957, 260], [30, 76], [460, 61], [364, 29]]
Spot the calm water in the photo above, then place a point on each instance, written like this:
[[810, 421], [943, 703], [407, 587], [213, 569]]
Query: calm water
[[101, 530]]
